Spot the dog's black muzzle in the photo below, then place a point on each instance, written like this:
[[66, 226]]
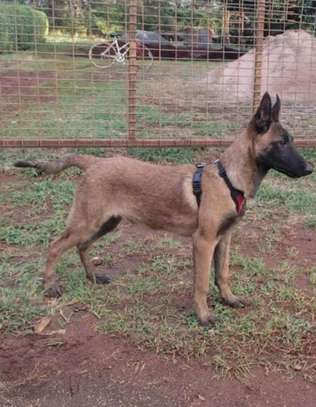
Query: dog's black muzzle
[[286, 159]]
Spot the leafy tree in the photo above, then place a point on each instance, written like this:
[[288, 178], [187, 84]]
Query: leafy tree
[[22, 27], [105, 16]]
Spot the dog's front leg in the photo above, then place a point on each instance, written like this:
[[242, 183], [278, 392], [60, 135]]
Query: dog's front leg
[[203, 249], [221, 265]]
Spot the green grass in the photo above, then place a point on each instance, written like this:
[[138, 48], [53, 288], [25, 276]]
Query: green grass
[[312, 276], [297, 196], [80, 112], [20, 294], [175, 155], [152, 117], [37, 198], [59, 96]]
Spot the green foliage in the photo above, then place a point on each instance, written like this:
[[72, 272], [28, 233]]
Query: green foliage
[[111, 21], [103, 17], [21, 27], [199, 17], [4, 34], [299, 13]]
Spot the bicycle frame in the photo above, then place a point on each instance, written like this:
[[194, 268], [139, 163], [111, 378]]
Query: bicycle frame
[[120, 53], [114, 53]]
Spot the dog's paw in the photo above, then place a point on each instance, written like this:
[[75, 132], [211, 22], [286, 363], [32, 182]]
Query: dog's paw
[[207, 320], [98, 278], [203, 313], [236, 302], [54, 290]]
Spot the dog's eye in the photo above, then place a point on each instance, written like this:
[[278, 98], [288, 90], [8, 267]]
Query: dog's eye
[[285, 139], [283, 142]]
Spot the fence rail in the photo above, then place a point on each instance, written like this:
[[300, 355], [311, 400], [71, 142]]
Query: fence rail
[[88, 143], [194, 72]]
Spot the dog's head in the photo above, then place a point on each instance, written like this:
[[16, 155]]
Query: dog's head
[[273, 145]]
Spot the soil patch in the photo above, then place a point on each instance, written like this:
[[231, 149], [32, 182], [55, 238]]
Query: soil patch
[[288, 69], [303, 240], [23, 86], [84, 368]]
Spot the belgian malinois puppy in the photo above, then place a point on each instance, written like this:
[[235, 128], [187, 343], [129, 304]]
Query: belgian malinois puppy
[[170, 198]]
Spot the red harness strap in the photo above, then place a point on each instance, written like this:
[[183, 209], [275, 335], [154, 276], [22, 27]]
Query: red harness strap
[[240, 202]]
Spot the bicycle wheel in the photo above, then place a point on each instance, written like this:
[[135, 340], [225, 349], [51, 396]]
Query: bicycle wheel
[[144, 54], [102, 55]]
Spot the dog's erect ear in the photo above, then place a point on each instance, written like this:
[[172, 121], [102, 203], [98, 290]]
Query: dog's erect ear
[[262, 119], [276, 109]]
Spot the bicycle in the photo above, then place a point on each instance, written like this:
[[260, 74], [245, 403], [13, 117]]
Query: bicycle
[[103, 55]]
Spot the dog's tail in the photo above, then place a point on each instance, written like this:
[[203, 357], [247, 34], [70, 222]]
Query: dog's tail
[[54, 166]]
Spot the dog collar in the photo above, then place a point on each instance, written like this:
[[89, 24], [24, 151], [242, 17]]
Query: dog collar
[[237, 196]]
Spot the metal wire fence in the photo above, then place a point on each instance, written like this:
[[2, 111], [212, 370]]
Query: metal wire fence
[[81, 73]]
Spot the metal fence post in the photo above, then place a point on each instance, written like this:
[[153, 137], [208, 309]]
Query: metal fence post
[[132, 70], [258, 53]]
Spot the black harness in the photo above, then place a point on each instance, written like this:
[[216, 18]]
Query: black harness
[[237, 196]]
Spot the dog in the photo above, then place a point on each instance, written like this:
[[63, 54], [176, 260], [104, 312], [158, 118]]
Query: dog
[[204, 202]]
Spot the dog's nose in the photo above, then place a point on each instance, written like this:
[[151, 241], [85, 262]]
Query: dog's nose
[[309, 168]]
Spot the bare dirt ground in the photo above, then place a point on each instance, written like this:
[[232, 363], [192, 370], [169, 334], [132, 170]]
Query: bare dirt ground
[[287, 69], [87, 369], [19, 87]]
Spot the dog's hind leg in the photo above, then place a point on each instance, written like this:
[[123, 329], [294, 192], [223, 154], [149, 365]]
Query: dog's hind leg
[[67, 240], [221, 266], [106, 227]]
